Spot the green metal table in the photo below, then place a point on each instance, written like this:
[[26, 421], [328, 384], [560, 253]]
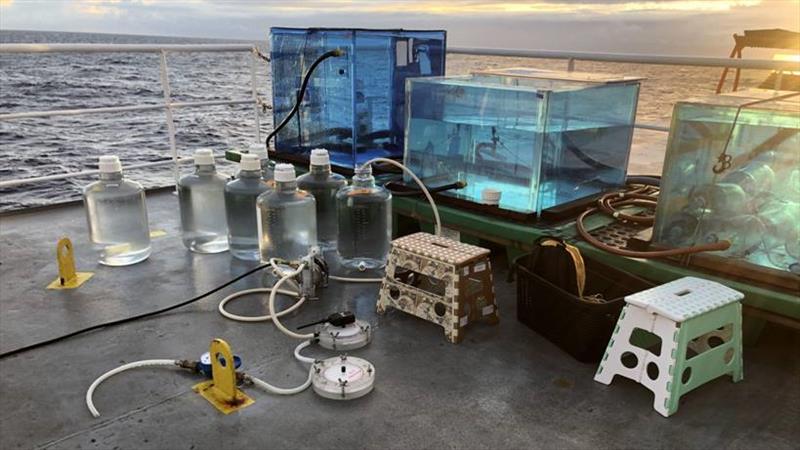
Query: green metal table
[[518, 238]]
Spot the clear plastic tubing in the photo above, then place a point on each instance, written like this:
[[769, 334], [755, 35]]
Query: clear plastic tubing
[[365, 222], [202, 203], [117, 216], [287, 218], [240, 208], [323, 185]]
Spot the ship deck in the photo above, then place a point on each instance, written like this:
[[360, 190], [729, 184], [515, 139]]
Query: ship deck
[[503, 387]]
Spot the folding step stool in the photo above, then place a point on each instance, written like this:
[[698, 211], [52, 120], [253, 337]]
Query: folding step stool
[[685, 313], [462, 271]]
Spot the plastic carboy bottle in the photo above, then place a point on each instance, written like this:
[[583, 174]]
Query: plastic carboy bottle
[[323, 185], [240, 208], [202, 201], [117, 216], [365, 222], [287, 218], [267, 168]]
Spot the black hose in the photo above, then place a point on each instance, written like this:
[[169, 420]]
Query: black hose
[[416, 192], [132, 318], [333, 53]]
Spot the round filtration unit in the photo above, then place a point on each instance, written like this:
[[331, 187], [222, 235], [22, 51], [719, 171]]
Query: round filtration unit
[[349, 337], [343, 377]]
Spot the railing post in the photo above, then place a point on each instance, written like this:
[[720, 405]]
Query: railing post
[[571, 65], [254, 86], [168, 111]]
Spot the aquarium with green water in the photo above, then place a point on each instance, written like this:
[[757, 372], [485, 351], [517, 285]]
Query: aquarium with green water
[[540, 138], [732, 172]]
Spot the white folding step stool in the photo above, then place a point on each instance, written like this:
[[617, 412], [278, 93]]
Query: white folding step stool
[[684, 314]]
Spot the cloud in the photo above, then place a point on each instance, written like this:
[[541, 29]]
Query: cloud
[[646, 26]]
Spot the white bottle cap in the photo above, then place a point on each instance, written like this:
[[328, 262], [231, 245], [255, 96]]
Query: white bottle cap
[[203, 157], [490, 196], [320, 157], [250, 161], [285, 173], [110, 164]]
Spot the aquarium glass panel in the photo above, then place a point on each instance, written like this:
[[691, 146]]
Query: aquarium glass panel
[[732, 172], [542, 142], [354, 104]]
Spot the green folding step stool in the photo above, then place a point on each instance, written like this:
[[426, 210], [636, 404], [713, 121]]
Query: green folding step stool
[[686, 314]]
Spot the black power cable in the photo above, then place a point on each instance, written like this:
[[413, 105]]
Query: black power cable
[[304, 85], [132, 318]]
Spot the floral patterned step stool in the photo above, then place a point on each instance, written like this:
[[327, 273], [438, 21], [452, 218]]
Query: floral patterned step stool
[[440, 280]]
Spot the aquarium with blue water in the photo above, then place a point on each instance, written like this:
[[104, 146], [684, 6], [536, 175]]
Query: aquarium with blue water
[[354, 104], [732, 172], [541, 138]]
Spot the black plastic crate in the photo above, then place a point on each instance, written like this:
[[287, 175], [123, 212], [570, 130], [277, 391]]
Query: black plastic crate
[[580, 328]]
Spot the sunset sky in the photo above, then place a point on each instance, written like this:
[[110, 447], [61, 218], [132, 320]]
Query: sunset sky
[[677, 27]]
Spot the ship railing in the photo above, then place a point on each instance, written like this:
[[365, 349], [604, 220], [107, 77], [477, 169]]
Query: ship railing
[[259, 104]]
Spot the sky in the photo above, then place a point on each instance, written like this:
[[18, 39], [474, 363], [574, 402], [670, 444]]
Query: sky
[[683, 27]]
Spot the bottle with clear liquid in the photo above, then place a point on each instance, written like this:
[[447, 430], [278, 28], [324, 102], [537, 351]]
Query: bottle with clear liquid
[[117, 216], [267, 167], [287, 218], [323, 185], [240, 208], [202, 202], [365, 222]]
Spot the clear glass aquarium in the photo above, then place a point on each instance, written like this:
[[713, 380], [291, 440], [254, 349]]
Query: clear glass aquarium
[[354, 104], [541, 138], [732, 172]]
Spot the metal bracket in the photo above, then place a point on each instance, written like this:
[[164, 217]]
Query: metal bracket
[[68, 278], [221, 390]]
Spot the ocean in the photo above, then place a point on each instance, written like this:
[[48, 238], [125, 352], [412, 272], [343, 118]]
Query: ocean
[[44, 146]]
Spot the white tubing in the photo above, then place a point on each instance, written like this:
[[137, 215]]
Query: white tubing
[[355, 280], [122, 368], [235, 295], [272, 296], [421, 186], [300, 357], [288, 391], [282, 391]]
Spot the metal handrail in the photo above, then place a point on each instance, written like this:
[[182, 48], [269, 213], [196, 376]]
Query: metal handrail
[[122, 48], [121, 109], [169, 105], [635, 58]]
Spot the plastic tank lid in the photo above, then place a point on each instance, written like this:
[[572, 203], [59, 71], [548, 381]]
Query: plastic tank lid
[[285, 173], [250, 162], [320, 157], [110, 164], [204, 157]]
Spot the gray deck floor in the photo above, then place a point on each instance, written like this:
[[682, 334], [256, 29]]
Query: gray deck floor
[[503, 387]]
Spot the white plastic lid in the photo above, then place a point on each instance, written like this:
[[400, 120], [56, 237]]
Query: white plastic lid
[[284, 173], [320, 157], [110, 164], [490, 196], [250, 162], [203, 157]]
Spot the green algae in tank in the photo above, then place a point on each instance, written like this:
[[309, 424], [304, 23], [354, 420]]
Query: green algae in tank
[[541, 138], [735, 177]]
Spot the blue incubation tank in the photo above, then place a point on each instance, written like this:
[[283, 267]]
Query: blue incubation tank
[[354, 104], [732, 172], [541, 138]]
